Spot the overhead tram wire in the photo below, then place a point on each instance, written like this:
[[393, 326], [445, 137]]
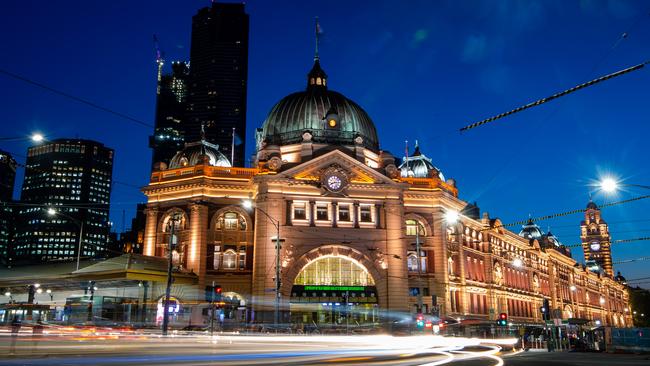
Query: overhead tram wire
[[566, 213], [624, 261], [554, 96], [75, 98], [618, 241]]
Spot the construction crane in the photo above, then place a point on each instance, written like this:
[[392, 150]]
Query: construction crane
[[159, 61]]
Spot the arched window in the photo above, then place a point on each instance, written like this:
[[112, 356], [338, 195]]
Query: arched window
[[229, 259], [231, 221], [334, 270], [412, 226]]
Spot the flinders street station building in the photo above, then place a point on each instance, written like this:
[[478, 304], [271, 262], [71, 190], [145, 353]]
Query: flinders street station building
[[328, 228]]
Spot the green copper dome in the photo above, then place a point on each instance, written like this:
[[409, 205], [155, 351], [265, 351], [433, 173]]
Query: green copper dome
[[306, 111]]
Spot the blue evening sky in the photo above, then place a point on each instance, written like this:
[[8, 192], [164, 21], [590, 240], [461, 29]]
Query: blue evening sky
[[421, 69]]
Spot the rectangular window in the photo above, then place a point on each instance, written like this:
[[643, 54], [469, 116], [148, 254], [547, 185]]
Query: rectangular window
[[322, 212], [242, 257], [217, 257], [344, 213], [365, 214], [299, 211]]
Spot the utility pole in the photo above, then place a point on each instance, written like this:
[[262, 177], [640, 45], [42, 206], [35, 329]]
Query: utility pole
[[278, 284], [212, 310], [165, 324]]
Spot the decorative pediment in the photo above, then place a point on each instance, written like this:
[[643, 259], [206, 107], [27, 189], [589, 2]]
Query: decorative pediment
[[336, 163]]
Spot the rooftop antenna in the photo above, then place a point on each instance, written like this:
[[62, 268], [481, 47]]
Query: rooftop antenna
[[159, 61]]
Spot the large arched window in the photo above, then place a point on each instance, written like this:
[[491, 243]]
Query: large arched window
[[414, 227], [334, 270], [231, 221]]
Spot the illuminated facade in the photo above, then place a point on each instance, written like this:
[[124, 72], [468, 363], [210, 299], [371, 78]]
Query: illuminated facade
[[74, 177], [350, 222]]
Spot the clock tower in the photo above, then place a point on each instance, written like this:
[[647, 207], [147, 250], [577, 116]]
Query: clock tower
[[596, 242]]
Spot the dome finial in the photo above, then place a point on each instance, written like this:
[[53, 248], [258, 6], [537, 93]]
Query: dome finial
[[317, 78], [317, 32], [202, 131]]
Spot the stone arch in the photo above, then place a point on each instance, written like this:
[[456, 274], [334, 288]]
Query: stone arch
[[419, 218], [232, 208], [164, 219], [329, 250]]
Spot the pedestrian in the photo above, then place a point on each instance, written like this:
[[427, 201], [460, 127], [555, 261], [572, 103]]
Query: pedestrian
[[15, 329], [37, 333]]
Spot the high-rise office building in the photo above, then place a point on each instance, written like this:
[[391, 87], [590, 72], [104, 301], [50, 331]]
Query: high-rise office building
[[167, 138], [71, 177], [7, 181], [219, 78]]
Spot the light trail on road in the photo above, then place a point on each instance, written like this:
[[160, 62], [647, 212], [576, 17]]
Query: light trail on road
[[246, 349]]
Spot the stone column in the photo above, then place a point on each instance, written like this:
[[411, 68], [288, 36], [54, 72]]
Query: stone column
[[312, 213], [397, 275], [150, 231], [355, 214], [197, 250], [441, 266], [263, 286], [334, 214]]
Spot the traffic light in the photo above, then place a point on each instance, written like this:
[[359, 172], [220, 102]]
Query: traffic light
[[213, 293], [419, 321], [217, 293], [503, 320]]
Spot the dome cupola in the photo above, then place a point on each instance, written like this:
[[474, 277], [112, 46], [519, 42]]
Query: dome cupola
[[199, 153], [419, 165], [531, 231]]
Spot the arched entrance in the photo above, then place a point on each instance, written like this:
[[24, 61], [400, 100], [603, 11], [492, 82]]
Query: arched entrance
[[334, 290], [175, 310]]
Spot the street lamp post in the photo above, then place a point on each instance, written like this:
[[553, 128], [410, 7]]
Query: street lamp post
[[276, 223], [80, 223], [172, 226], [610, 185]]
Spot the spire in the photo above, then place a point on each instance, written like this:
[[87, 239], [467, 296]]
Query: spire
[[202, 131], [417, 152], [317, 33], [317, 78]]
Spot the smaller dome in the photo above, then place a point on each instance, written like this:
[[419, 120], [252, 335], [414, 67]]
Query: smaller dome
[[196, 153], [419, 166], [619, 278], [531, 231], [592, 205], [553, 240]]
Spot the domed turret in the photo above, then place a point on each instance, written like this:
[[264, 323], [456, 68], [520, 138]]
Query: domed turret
[[531, 231], [200, 152], [419, 166]]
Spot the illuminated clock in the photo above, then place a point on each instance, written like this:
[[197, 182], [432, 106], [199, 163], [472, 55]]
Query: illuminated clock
[[594, 246], [334, 183]]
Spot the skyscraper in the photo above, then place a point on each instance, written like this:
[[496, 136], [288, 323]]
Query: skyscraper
[[171, 105], [73, 178], [218, 78], [7, 181]]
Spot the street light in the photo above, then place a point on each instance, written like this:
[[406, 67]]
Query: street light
[[602, 300], [52, 212], [37, 137], [517, 262], [8, 294], [573, 288], [248, 204], [451, 216], [611, 185]]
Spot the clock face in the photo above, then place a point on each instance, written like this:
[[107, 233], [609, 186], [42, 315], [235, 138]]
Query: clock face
[[334, 183], [595, 246]]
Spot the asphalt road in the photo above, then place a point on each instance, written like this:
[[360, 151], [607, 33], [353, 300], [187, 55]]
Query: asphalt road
[[112, 349]]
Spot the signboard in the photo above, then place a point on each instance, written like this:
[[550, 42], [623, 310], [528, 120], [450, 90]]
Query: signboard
[[334, 288]]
